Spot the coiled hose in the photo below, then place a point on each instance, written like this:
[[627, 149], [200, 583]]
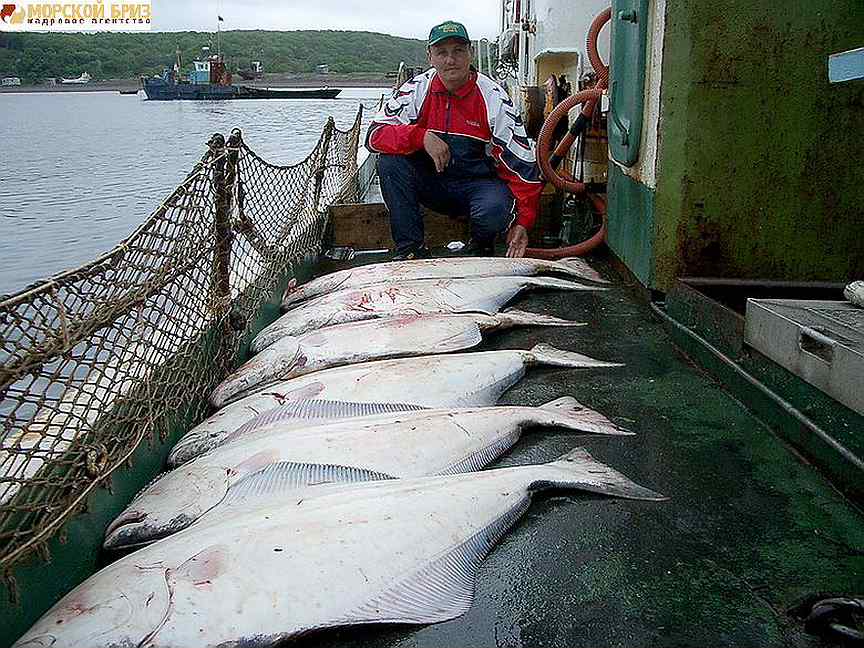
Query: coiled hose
[[549, 159]]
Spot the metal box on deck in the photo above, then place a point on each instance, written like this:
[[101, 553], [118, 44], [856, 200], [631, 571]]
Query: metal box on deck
[[822, 342]]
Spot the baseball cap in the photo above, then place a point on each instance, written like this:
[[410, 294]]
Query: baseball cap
[[448, 29]]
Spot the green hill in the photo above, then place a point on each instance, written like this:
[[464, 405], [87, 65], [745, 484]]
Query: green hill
[[125, 55]]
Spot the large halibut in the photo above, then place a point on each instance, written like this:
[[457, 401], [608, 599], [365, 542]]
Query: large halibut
[[436, 269], [397, 551], [455, 380], [398, 445], [485, 295], [377, 339]]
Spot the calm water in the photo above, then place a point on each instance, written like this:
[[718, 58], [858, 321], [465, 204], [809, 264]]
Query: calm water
[[79, 171]]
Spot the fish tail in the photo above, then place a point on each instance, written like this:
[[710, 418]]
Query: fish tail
[[579, 470], [558, 284], [569, 413], [549, 355], [576, 267], [515, 317]]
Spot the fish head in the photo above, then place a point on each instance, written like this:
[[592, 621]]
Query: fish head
[[277, 362], [171, 503], [194, 444], [118, 606]]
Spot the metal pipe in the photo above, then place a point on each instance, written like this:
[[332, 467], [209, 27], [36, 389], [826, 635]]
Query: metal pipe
[[823, 436]]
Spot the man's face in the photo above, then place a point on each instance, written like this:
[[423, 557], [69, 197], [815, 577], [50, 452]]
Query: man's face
[[451, 58]]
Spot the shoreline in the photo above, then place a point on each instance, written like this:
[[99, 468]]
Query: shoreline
[[272, 80]]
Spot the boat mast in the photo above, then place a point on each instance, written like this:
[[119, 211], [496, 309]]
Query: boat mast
[[218, 31]]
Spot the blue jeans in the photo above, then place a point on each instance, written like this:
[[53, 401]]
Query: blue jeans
[[408, 181]]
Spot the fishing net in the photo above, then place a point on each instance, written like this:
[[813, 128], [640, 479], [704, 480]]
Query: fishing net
[[100, 358]]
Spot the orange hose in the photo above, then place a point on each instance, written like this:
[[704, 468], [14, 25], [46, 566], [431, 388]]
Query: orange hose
[[544, 144], [544, 141], [597, 63], [580, 248]]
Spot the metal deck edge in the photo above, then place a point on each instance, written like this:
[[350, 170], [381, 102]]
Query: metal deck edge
[[839, 464]]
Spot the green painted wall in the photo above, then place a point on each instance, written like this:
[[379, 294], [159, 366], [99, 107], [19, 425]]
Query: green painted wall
[[631, 237], [760, 159]]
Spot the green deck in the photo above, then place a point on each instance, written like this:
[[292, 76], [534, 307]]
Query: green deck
[[750, 528]]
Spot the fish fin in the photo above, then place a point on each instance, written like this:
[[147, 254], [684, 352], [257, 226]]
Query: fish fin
[[482, 458], [469, 336], [316, 412], [579, 470], [549, 355], [442, 589], [565, 403], [584, 419], [559, 284], [576, 267], [287, 475], [516, 317]]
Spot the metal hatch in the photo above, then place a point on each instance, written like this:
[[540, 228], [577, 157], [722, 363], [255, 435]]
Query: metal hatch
[[822, 342], [627, 79]]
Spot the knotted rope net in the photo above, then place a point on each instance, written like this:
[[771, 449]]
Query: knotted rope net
[[96, 360]]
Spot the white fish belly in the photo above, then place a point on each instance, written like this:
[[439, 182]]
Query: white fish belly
[[383, 300], [414, 270], [461, 380], [388, 338], [402, 445], [402, 554]]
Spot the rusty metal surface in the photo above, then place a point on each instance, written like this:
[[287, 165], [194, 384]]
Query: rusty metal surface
[[756, 166]]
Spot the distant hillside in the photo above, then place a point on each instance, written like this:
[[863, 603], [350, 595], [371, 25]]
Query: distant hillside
[[116, 56]]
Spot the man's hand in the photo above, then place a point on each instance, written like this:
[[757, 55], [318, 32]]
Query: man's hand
[[517, 241], [437, 150]]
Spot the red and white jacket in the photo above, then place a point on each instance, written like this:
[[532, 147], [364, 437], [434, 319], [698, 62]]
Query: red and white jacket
[[485, 134]]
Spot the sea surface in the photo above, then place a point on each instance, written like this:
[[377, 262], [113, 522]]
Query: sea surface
[[80, 171]]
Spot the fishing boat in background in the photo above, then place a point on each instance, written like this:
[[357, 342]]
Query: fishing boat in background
[[210, 80]]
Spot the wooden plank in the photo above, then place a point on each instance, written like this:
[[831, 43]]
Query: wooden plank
[[366, 226]]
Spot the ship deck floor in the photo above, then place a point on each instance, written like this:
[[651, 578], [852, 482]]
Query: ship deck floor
[[749, 530]]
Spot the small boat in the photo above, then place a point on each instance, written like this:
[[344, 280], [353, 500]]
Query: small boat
[[81, 80], [129, 92], [254, 71], [211, 80]]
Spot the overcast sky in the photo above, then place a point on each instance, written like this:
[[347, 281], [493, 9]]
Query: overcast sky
[[409, 18]]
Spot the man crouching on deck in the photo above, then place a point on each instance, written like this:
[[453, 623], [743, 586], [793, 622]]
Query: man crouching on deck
[[450, 139]]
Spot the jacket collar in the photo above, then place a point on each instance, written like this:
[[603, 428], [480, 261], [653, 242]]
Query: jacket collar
[[463, 91]]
